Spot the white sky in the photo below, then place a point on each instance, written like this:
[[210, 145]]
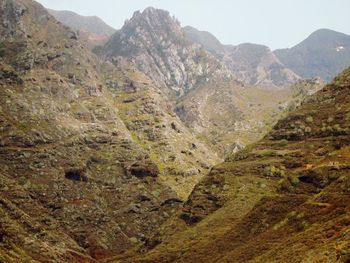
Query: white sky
[[275, 23]]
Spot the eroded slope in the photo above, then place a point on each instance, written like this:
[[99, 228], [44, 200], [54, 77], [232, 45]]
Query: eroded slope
[[284, 199]]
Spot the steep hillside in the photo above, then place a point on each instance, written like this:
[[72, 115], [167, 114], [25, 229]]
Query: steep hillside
[[284, 199], [324, 53], [91, 28], [76, 182], [182, 159], [253, 64], [155, 43]]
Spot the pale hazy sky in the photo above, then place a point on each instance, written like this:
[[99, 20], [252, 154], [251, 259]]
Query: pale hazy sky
[[275, 23]]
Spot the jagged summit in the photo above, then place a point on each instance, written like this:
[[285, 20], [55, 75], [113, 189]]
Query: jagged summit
[[153, 16], [154, 41], [152, 10], [153, 22]]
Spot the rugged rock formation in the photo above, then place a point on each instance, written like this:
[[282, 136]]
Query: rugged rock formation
[[156, 44]]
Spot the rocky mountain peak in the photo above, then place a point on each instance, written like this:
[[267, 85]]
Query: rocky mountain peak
[[154, 42], [153, 23], [152, 12]]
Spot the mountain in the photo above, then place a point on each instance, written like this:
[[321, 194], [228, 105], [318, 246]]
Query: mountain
[[116, 157], [253, 64], [324, 53], [205, 39], [205, 87], [283, 199], [155, 43], [90, 156], [91, 28]]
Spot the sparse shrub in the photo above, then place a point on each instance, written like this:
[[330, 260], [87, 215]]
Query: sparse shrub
[[347, 116], [294, 180], [273, 171], [268, 153], [22, 180], [288, 183], [283, 142], [336, 128], [285, 185], [309, 119], [307, 130], [329, 129]]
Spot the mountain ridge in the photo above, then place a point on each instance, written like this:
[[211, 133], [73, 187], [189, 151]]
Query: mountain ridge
[[323, 53], [93, 29]]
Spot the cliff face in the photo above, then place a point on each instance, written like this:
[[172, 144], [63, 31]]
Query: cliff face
[[155, 43]]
